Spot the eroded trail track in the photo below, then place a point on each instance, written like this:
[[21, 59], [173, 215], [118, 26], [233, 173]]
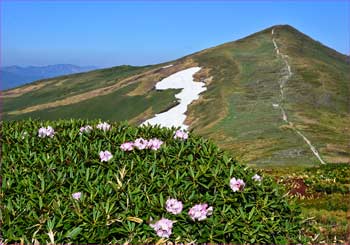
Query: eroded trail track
[[286, 75]]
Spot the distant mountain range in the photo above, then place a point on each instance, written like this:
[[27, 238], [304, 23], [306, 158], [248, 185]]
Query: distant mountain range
[[13, 76]]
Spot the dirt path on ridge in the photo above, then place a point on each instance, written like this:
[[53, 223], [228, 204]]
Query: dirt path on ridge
[[286, 75]]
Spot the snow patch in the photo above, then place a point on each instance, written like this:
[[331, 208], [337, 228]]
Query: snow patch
[[190, 92], [167, 66]]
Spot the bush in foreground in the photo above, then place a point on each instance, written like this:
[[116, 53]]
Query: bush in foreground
[[100, 184]]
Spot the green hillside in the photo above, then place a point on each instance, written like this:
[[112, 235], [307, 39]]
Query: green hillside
[[243, 80], [245, 85]]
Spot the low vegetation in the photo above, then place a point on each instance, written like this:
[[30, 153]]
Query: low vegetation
[[78, 181], [323, 194]]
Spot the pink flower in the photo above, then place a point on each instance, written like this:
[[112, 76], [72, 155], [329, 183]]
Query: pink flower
[[257, 177], [43, 132], [105, 156], [179, 134], [127, 146], [237, 185], [154, 144], [200, 212], [163, 227], [76, 195], [86, 129], [141, 143], [49, 131], [173, 206], [103, 126]]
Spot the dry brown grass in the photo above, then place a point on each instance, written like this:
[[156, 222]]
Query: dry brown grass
[[25, 89], [286, 126], [338, 148], [335, 153], [305, 119], [192, 118], [146, 80], [76, 98], [142, 117], [337, 159], [61, 82], [203, 74], [246, 151]]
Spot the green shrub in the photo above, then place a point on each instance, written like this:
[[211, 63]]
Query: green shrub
[[336, 172], [122, 197], [330, 188], [333, 202]]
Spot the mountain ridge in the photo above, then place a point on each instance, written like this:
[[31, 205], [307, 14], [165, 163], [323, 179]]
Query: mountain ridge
[[236, 111], [14, 75]]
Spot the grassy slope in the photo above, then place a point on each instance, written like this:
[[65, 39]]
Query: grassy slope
[[319, 93], [236, 111], [323, 193], [108, 107], [66, 86], [245, 84], [117, 105], [247, 87]]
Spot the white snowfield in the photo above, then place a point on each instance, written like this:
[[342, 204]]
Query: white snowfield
[[190, 91]]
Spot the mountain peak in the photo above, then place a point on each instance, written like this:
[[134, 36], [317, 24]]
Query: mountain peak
[[283, 26], [261, 90]]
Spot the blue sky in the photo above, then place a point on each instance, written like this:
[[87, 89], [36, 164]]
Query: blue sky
[[112, 33]]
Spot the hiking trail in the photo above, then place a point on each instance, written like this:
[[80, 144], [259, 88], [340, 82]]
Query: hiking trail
[[286, 75]]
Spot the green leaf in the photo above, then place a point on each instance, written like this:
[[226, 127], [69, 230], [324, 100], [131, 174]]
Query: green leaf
[[190, 157], [251, 213], [74, 232], [161, 200]]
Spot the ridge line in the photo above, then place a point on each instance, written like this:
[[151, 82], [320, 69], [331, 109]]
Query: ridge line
[[282, 82]]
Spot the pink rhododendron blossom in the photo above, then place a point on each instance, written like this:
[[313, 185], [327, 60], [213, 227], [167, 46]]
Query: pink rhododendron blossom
[[237, 184], [200, 212], [42, 132], [163, 227], [174, 206], [127, 146], [105, 156], [86, 129], [141, 143], [49, 131], [257, 177], [76, 195], [103, 126], [46, 132], [179, 134], [154, 144]]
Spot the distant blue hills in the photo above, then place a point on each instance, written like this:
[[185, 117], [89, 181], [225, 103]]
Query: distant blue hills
[[14, 76]]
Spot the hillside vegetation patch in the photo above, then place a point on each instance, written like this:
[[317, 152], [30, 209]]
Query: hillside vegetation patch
[[78, 181]]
